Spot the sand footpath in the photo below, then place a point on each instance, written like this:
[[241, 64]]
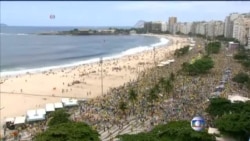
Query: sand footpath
[[30, 91]]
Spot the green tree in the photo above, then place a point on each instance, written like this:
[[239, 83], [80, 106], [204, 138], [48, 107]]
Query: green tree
[[241, 78], [181, 51], [236, 125], [218, 106], [71, 131], [123, 107], [132, 97], [168, 86], [173, 131], [200, 66], [213, 48], [172, 76], [59, 117], [241, 56]]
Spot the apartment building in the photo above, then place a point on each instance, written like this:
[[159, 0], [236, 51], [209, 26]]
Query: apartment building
[[241, 29], [219, 28], [153, 26], [229, 24], [172, 24]]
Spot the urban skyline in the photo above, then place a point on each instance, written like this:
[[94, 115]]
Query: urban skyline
[[235, 25], [113, 13]]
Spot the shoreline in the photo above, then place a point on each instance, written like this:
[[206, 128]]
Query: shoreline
[[36, 70], [50, 87]]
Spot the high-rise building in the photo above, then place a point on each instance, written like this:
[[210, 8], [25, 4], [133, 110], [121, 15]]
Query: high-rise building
[[248, 39], [241, 29], [164, 26], [201, 28], [172, 24], [219, 28], [153, 26], [228, 28], [156, 26], [210, 28]]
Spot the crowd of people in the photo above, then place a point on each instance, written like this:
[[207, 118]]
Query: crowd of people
[[190, 97]]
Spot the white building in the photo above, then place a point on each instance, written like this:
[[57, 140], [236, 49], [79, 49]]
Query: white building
[[163, 26], [201, 28], [219, 28], [210, 28], [228, 28], [241, 29], [185, 28]]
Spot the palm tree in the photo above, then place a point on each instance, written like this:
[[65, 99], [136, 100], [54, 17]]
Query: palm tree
[[123, 107], [172, 76], [132, 97], [168, 86], [153, 96]]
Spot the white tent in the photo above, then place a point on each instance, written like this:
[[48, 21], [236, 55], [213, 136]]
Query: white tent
[[41, 111], [49, 107], [213, 131], [65, 100], [31, 112], [69, 102], [171, 61], [160, 65], [36, 117], [9, 119], [20, 120], [58, 105], [234, 98]]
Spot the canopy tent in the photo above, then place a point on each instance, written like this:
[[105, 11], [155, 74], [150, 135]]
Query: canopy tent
[[36, 117], [234, 98], [213, 131], [65, 100], [20, 120], [41, 111], [31, 112], [33, 115], [58, 105], [171, 61], [192, 45], [69, 102], [10, 119], [82, 100], [160, 65], [49, 107]]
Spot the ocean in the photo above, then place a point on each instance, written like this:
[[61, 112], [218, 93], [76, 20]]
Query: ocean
[[23, 51]]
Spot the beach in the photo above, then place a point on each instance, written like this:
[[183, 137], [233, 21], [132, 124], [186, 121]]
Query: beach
[[31, 91]]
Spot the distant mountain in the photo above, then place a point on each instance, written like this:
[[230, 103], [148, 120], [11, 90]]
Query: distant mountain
[[139, 24], [3, 24]]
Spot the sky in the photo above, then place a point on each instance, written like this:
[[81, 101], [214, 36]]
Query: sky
[[113, 13]]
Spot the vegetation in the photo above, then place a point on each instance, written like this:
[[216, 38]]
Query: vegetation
[[243, 56], [200, 66], [213, 48], [241, 78], [71, 131], [232, 119], [133, 97], [173, 131], [61, 128], [236, 125], [59, 117], [181, 51]]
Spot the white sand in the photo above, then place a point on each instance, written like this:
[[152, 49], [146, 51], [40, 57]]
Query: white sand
[[43, 84]]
